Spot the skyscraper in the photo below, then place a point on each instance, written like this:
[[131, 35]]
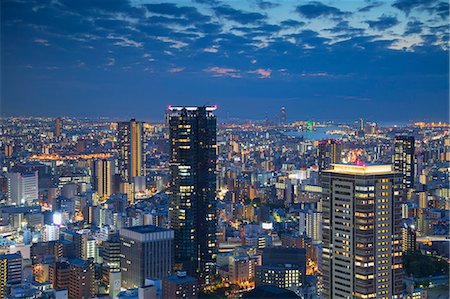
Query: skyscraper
[[22, 187], [146, 251], [404, 159], [362, 241], [58, 126], [192, 212], [104, 178], [130, 150], [329, 153], [10, 271]]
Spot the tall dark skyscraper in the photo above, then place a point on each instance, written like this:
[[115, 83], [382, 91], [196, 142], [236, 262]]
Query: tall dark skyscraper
[[329, 153], [404, 159], [362, 241], [192, 212]]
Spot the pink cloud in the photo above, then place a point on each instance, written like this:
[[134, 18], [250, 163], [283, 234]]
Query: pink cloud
[[262, 73], [176, 69], [223, 72]]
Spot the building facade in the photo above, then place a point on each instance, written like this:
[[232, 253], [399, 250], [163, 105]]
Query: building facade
[[404, 160], [146, 251], [193, 189], [362, 241]]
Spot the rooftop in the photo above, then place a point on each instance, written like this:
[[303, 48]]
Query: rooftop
[[144, 229], [361, 169]]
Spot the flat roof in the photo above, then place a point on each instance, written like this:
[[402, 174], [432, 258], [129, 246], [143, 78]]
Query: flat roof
[[143, 229], [361, 169]]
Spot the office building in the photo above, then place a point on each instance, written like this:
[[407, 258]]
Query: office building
[[282, 267], [179, 285], [404, 159], [192, 212], [111, 256], [81, 279], [409, 238], [310, 224], [362, 242], [146, 251], [104, 178], [130, 150], [22, 187], [58, 127], [10, 271], [329, 152]]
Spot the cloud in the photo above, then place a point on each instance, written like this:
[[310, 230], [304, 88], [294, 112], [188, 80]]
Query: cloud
[[238, 16], [408, 5], [371, 6], [223, 72], [413, 27], [42, 41], [266, 4], [292, 23], [170, 9], [318, 74], [173, 43], [382, 23], [441, 9], [317, 9], [263, 73], [176, 69]]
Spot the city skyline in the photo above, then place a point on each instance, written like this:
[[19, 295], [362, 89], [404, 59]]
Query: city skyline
[[314, 58]]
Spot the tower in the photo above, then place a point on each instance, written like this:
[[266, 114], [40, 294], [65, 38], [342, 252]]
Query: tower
[[362, 238], [329, 153], [404, 159], [192, 212]]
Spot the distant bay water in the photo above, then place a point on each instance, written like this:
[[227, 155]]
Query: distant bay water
[[318, 133]]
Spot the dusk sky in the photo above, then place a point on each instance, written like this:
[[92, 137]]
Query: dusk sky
[[329, 60]]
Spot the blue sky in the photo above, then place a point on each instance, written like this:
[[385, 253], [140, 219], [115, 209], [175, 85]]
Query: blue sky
[[336, 60]]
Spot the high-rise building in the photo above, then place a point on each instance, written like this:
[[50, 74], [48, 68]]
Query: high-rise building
[[330, 152], [192, 212], [146, 251], [81, 279], [362, 241], [310, 224], [409, 238], [104, 178], [179, 285], [283, 116], [22, 187], [130, 148], [10, 271], [404, 159], [58, 126]]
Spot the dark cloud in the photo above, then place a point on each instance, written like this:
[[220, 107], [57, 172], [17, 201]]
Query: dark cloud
[[344, 27], [408, 5], [317, 9], [229, 13], [370, 6], [292, 23], [382, 23], [413, 27], [441, 9], [266, 4]]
